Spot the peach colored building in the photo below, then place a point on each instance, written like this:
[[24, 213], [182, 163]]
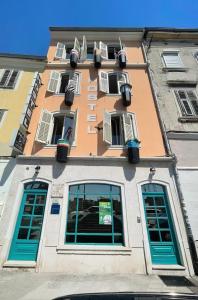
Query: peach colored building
[[105, 201]]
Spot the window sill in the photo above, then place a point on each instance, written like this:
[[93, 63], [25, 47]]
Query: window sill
[[19, 264], [115, 147], [176, 69], [62, 94], [92, 249], [186, 119], [113, 95], [55, 146], [168, 267]]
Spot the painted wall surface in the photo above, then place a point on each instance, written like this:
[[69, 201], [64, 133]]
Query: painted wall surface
[[142, 105], [13, 100], [185, 151], [55, 256], [169, 107]]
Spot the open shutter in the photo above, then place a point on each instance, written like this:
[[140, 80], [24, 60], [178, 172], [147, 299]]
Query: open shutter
[[121, 78], [43, 127], [53, 82], [77, 45], [121, 47], [128, 127], [83, 54], [73, 83], [104, 51], [183, 103], [13, 78], [60, 51], [107, 133], [104, 82], [193, 100]]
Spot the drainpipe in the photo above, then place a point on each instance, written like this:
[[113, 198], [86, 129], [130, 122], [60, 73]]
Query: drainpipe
[[169, 152]]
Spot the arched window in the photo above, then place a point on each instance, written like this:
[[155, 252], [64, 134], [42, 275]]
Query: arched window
[[94, 214]]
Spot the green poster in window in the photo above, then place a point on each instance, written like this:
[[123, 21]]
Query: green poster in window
[[105, 214]]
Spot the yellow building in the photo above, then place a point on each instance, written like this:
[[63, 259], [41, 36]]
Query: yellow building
[[19, 84]]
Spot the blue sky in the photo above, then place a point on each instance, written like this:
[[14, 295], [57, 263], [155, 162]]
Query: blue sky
[[24, 24]]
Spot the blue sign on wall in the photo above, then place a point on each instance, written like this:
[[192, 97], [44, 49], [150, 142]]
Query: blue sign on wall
[[55, 209]]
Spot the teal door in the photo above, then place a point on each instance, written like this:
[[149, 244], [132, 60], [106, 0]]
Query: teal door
[[159, 224], [28, 227]]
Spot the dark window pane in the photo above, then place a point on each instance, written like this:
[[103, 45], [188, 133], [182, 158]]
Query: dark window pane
[[163, 223], [73, 189], [4, 78], [23, 233], [112, 51], [34, 234], [116, 131], [152, 188], [118, 239], [152, 223], [96, 189], [154, 236], [166, 236], [117, 214], [187, 107], [195, 106], [64, 82], [113, 85], [94, 239], [150, 212], [40, 199], [70, 239], [12, 79], [25, 221], [159, 201], [58, 128], [182, 94], [38, 210], [71, 219], [30, 199], [68, 128], [68, 50], [149, 201], [36, 221], [115, 190], [28, 210], [90, 51], [161, 212]]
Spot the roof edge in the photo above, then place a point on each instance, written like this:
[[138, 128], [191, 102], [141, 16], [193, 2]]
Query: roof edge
[[24, 56]]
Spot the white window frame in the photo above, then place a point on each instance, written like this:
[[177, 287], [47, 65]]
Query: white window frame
[[3, 116], [107, 82], [51, 126], [181, 106], [2, 71], [123, 128], [172, 51], [58, 85]]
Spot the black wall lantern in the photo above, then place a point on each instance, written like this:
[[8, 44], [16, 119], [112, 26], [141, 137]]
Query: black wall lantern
[[122, 59], [74, 57], [62, 150], [125, 90], [133, 151], [69, 97]]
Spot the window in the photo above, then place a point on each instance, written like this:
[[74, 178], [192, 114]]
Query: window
[[90, 52], [2, 116], [110, 51], [63, 50], [56, 126], [172, 59], [94, 215], [60, 81], [8, 79], [118, 129], [188, 101], [110, 82]]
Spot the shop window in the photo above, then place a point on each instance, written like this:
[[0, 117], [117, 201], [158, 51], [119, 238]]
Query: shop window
[[94, 215], [59, 82], [118, 129], [8, 79], [56, 126], [188, 101], [110, 82]]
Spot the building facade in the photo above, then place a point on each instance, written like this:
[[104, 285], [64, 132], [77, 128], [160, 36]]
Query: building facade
[[96, 212], [19, 84], [173, 58]]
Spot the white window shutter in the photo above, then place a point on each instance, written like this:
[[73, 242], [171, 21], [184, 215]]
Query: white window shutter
[[43, 127], [172, 60], [104, 82], [128, 127], [107, 133], [53, 82], [121, 79], [60, 51], [83, 54], [77, 45], [104, 51], [74, 127], [73, 83]]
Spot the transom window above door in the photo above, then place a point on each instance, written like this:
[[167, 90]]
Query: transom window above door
[[110, 82], [94, 215], [59, 81]]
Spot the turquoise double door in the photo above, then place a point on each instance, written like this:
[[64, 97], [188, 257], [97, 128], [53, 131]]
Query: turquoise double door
[[160, 229], [26, 238]]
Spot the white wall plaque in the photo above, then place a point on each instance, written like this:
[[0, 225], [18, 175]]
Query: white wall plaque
[[57, 190]]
